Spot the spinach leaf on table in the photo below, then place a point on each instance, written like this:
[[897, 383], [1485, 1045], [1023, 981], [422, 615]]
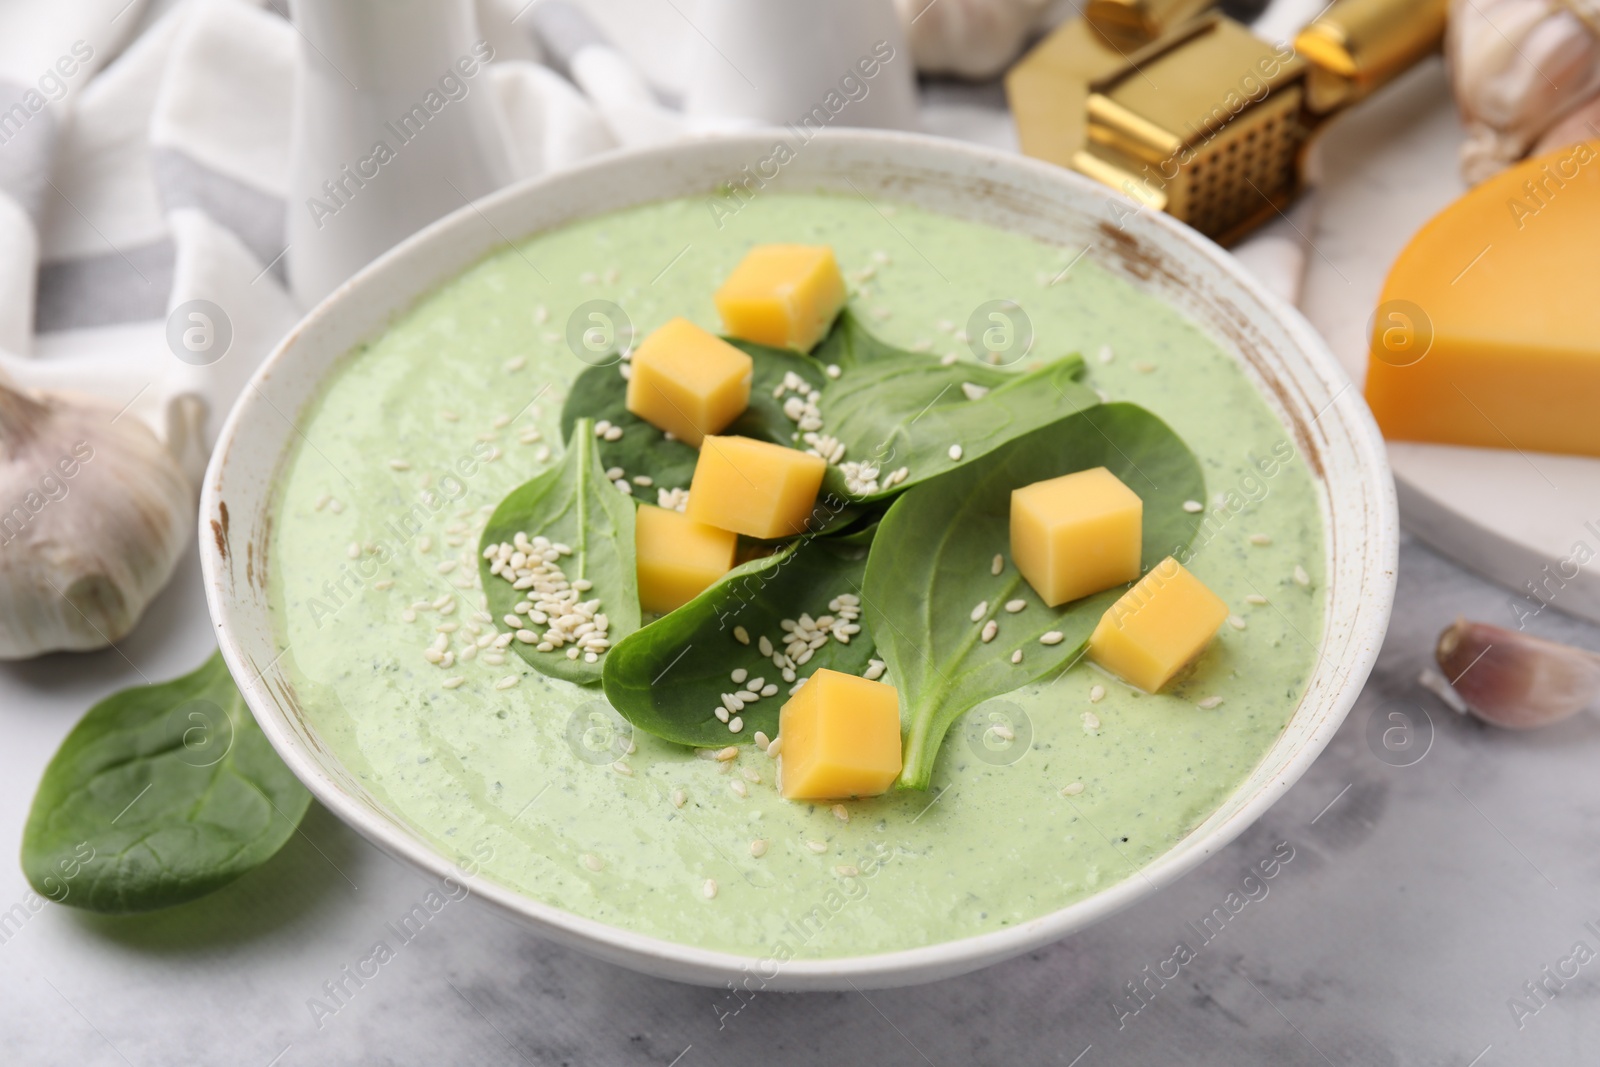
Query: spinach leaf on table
[[905, 409], [668, 678], [574, 504], [930, 567], [601, 393], [163, 793]]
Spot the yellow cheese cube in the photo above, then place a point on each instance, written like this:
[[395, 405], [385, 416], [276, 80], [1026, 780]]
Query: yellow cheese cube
[[841, 738], [678, 558], [754, 487], [1157, 627], [688, 382], [1077, 534], [782, 295]]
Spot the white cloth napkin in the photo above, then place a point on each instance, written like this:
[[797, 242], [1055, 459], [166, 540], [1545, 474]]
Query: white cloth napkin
[[154, 174]]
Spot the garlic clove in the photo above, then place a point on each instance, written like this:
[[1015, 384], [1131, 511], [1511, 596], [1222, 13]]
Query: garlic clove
[[1513, 679], [973, 39], [94, 514]]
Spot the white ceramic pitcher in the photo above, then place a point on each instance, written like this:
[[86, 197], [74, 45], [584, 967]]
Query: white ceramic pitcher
[[395, 125], [812, 63]]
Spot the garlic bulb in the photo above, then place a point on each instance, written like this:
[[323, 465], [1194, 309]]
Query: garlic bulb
[[1517, 66], [1514, 680], [94, 512], [968, 38]]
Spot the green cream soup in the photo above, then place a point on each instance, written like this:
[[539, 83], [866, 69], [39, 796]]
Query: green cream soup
[[421, 432]]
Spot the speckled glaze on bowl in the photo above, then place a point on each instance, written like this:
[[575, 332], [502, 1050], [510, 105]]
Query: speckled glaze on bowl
[[1276, 349]]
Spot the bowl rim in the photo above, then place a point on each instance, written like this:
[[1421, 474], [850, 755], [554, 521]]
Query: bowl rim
[[685, 962]]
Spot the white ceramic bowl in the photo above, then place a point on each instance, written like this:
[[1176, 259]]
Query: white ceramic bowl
[[1274, 346]]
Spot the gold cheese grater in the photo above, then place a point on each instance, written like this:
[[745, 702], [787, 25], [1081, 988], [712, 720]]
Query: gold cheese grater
[[1207, 121]]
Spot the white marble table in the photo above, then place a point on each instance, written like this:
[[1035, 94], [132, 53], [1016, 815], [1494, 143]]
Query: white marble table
[[1418, 902]]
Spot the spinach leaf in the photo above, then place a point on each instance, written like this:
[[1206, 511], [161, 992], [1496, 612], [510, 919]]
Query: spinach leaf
[[668, 678], [601, 393], [930, 567], [889, 407], [163, 793], [895, 408], [573, 504]]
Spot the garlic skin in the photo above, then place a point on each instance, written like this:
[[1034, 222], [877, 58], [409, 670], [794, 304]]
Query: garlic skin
[[973, 39], [1514, 680], [1516, 67], [94, 513]]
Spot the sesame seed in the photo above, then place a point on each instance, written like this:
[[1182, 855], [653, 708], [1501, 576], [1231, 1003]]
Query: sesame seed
[[954, 452], [424, 544], [1072, 789], [1105, 355], [841, 813], [819, 847], [1097, 693], [1260, 539], [1209, 702], [775, 749], [593, 862], [832, 370], [974, 392], [452, 683], [446, 566], [980, 611], [1054, 637], [508, 681], [762, 644], [601, 427], [1255, 598], [408, 615], [399, 465], [725, 754], [1144, 368], [739, 675], [709, 890], [754, 686], [846, 870], [990, 629], [769, 690], [875, 669], [741, 635], [1091, 721], [1193, 506], [515, 364], [1014, 606], [1237, 622], [758, 848], [749, 774], [735, 725], [383, 583], [1301, 578], [739, 788], [614, 434], [622, 769], [679, 798], [336, 505], [354, 550], [721, 713], [761, 740], [998, 565], [1016, 657]]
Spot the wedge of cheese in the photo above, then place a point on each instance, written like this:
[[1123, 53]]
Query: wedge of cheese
[[1488, 329]]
